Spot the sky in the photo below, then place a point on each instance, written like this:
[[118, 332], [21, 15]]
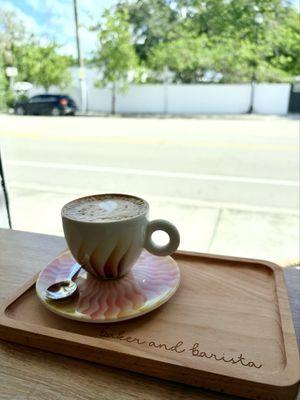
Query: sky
[[54, 19]]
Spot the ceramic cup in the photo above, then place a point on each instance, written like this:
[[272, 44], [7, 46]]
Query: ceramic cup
[[108, 249]]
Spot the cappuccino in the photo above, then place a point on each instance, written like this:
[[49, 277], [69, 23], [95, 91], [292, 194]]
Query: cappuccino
[[105, 208]]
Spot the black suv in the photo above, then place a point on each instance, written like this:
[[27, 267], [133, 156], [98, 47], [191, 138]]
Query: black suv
[[46, 104]]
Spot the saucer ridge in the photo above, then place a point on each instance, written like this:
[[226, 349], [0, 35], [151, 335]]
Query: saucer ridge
[[150, 283]]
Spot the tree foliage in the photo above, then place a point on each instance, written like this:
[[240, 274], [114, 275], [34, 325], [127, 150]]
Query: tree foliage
[[115, 56], [37, 63], [42, 65], [236, 40]]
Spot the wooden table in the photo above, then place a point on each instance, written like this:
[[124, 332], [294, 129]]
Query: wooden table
[[30, 374]]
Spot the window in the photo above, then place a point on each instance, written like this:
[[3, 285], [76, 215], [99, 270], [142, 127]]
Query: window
[[36, 99], [50, 99], [198, 131]]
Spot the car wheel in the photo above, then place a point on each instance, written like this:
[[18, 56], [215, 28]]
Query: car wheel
[[55, 111], [20, 110]]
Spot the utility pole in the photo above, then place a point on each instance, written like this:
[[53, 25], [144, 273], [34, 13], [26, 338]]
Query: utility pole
[[259, 19], [81, 72]]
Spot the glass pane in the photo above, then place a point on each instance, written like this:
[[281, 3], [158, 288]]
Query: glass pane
[[205, 124]]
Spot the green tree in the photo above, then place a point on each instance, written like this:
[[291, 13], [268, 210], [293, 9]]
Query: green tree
[[38, 64], [116, 56], [42, 65], [241, 39], [251, 47], [188, 57], [152, 21], [12, 31]]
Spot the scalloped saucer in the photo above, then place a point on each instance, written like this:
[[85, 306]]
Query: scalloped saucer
[[151, 282]]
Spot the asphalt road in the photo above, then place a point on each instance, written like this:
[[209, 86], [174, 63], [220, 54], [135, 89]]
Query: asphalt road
[[241, 162]]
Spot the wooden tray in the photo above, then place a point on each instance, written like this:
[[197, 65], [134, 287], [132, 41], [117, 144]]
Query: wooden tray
[[228, 328]]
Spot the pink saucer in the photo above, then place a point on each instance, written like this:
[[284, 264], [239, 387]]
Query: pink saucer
[[151, 282]]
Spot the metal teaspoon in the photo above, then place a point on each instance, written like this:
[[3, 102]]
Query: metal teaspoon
[[63, 289]]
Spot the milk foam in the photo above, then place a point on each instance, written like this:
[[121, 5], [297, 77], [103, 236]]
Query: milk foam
[[107, 208]]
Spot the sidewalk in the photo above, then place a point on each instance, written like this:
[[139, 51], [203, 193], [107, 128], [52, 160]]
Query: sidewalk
[[271, 234]]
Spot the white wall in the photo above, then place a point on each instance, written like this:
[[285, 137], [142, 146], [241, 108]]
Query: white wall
[[142, 99], [271, 98], [182, 98], [98, 99], [208, 99]]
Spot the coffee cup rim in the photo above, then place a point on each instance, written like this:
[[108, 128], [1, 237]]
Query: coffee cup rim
[[109, 221]]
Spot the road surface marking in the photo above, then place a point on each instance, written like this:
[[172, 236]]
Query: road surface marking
[[153, 173], [117, 139]]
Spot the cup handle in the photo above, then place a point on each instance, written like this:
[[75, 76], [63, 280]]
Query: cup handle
[[172, 232]]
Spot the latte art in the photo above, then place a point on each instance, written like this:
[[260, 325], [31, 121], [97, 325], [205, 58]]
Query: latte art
[[104, 208]]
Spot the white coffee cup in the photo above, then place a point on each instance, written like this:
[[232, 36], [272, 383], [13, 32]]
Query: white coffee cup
[[109, 248]]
